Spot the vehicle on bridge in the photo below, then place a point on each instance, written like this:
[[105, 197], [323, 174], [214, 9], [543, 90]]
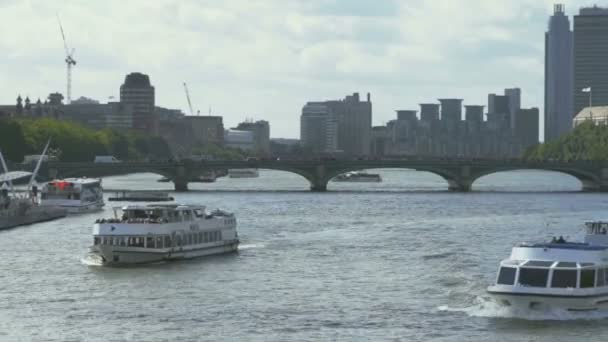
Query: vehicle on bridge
[[106, 159], [153, 233], [564, 275]]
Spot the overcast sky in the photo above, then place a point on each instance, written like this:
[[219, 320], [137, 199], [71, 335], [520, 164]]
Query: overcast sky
[[264, 59]]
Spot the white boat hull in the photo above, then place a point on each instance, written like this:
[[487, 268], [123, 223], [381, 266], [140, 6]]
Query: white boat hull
[[358, 180], [530, 301], [78, 208], [117, 256]]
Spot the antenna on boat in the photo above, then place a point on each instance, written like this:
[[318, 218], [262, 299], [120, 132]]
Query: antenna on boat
[[35, 173], [10, 182]]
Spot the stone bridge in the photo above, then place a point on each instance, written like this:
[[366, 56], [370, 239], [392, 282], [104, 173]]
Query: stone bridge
[[460, 174]]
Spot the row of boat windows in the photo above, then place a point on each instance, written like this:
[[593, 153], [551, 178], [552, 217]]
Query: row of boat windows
[[163, 241], [556, 278]]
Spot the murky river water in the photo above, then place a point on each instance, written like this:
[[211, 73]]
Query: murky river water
[[401, 260]]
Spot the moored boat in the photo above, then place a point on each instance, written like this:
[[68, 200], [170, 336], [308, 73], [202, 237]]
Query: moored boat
[[557, 274], [358, 177], [76, 195], [154, 233], [19, 210], [243, 173]]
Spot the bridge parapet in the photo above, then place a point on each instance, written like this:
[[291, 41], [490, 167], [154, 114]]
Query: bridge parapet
[[460, 174]]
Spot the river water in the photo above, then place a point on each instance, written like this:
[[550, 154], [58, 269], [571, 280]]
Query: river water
[[402, 260]]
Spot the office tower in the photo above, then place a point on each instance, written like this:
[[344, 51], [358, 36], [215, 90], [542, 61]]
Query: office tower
[[139, 93], [514, 96], [474, 113], [429, 112], [558, 75], [318, 128], [527, 123], [354, 119], [451, 110], [261, 135], [590, 57]]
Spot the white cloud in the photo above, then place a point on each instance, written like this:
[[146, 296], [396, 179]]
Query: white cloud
[[265, 59]]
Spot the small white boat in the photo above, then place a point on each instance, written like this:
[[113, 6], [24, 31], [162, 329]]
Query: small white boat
[[141, 196], [557, 275], [77, 195], [243, 173], [358, 177], [153, 233]]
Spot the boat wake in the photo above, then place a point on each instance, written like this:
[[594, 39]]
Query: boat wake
[[91, 261], [489, 308], [250, 246]]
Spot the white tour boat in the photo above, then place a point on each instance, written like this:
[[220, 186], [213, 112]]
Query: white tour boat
[[153, 233], [358, 177], [77, 195], [557, 275], [243, 173]]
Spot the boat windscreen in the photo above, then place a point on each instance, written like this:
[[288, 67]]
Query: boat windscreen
[[538, 263], [533, 277]]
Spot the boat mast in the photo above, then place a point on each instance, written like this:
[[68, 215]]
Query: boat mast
[[10, 182], [33, 178]]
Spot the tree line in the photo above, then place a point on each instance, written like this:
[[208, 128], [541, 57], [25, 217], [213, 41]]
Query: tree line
[[586, 142], [71, 142]]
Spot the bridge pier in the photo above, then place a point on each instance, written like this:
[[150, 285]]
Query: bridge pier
[[318, 187], [180, 186], [459, 186]]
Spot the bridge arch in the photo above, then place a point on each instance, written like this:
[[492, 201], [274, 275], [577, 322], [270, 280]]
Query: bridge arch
[[589, 180], [450, 177]]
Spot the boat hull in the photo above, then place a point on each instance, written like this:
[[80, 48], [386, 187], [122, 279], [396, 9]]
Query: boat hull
[[124, 256], [32, 215], [530, 301], [371, 180]]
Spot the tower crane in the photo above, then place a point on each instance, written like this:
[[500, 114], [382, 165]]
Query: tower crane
[[188, 98], [69, 61]]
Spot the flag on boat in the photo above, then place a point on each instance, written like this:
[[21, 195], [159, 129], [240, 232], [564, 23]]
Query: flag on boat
[[586, 90]]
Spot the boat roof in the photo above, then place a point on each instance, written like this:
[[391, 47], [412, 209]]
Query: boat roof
[[566, 245], [162, 206], [14, 175], [77, 180]]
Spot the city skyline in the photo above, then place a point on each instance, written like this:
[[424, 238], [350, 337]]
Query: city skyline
[[300, 51]]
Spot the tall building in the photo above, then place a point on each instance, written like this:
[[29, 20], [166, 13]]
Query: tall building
[[318, 128], [558, 75], [514, 96], [526, 131], [114, 115], [354, 118], [590, 57], [451, 109], [261, 135], [429, 112], [206, 129], [474, 113], [139, 93]]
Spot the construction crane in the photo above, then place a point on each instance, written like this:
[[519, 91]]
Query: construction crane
[[69, 61], [188, 98]]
